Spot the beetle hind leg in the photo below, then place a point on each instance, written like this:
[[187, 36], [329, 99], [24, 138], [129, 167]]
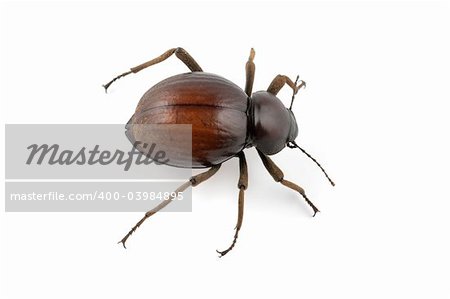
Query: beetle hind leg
[[181, 53], [278, 176], [193, 181], [242, 185]]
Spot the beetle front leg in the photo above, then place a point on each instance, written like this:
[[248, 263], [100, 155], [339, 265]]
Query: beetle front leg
[[193, 181], [242, 185], [278, 176], [280, 80], [181, 53]]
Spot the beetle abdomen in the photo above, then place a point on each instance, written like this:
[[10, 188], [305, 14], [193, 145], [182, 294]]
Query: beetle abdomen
[[215, 107]]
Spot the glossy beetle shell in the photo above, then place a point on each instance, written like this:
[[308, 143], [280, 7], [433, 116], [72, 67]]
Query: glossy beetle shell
[[216, 108], [273, 124]]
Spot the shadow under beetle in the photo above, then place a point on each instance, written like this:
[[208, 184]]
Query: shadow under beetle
[[225, 120]]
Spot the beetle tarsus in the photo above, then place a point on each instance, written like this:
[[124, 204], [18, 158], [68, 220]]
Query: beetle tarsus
[[107, 85], [124, 239], [315, 209], [123, 243], [302, 84], [224, 252]]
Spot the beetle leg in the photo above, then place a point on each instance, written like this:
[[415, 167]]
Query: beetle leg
[[278, 176], [280, 80], [250, 73], [181, 53], [193, 181], [242, 185]]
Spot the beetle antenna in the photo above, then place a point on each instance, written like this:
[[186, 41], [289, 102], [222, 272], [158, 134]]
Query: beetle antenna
[[292, 144], [118, 77], [295, 90]]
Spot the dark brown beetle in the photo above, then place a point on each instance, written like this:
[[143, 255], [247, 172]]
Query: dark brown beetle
[[225, 120]]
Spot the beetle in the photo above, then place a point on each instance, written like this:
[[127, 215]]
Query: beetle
[[225, 120]]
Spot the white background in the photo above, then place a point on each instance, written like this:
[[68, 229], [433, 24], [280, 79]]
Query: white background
[[375, 113]]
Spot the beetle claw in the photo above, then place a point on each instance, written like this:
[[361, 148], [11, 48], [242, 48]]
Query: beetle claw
[[222, 253], [123, 243]]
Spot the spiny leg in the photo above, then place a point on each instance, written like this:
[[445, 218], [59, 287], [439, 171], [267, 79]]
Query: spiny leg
[[278, 176], [242, 185], [193, 181], [250, 73], [181, 53]]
